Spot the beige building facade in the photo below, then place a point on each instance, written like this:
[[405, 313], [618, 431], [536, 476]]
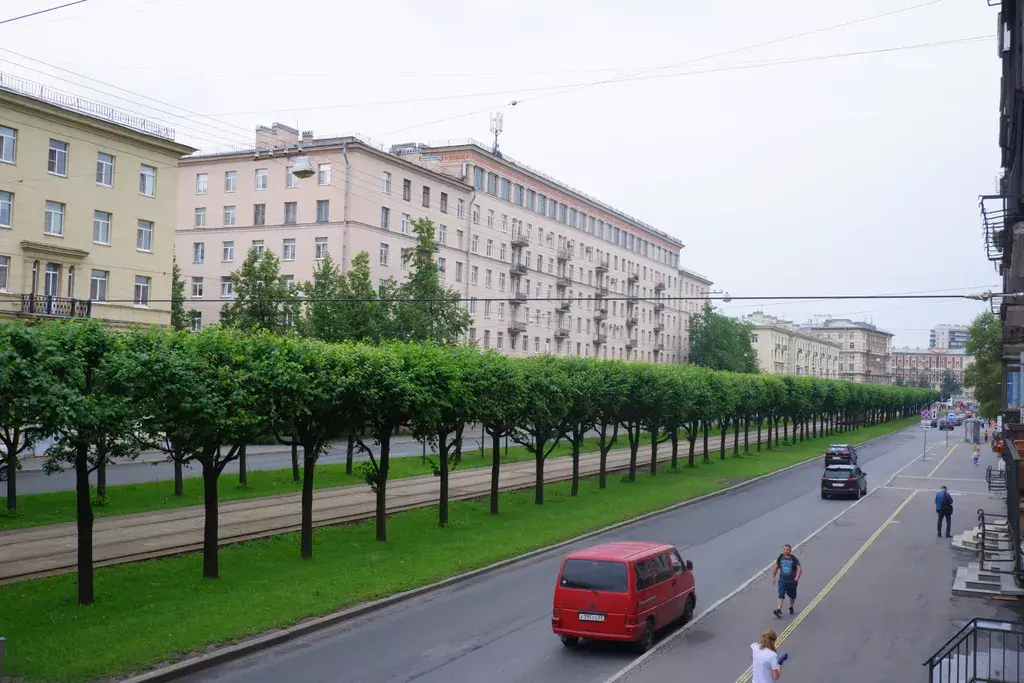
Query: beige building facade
[[912, 365], [87, 209], [866, 350], [542, 267], [783, 348]]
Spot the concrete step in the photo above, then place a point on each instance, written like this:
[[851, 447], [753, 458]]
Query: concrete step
[[988, 665], [961, 587], [983, 574]]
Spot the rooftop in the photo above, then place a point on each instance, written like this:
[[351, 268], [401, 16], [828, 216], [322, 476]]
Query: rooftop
[[80, 105], [843, 323], [694, 275], [929, 351], [620, 550]]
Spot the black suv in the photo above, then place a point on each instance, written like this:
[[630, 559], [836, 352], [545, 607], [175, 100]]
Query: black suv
[[840, 454], [843, 480]]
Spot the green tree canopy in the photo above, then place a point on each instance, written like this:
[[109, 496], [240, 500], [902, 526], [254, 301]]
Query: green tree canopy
[[720, 342], [264, 299], [985, 375], [948, 385]]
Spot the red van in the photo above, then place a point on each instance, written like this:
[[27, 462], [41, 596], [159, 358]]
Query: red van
[[622, 591]]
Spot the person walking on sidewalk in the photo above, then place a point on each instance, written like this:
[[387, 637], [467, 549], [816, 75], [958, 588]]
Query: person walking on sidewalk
[[766, 666], [944, 509], [975, 454], [787, 571]]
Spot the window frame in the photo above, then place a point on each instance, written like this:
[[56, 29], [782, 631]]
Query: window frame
[[144, 235], [101, 168], [55, 155], [143, 184], [96, 222]]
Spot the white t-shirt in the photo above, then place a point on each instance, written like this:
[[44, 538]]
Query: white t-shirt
[[764, 662]]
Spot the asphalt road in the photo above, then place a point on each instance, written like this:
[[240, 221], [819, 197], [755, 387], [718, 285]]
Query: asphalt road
[[496, 629]]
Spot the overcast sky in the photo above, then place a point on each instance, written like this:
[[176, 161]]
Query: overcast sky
[[845, 175]]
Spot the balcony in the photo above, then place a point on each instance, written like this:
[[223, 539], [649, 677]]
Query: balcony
[[630, 344], [632, 298], [563, 281], [633, 277], [601, 292], [659, 306], [659, 347], [520, 240], [631, 320], [517, 297], [659, 286], [561, 332], [600, 314], [600, 339], [659, 328], [55, 307], [517, 327], [564, 254], [563, 305], [602, 267], [517, 269]]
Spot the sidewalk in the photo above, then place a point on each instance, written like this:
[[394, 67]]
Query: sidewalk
[[46, 550]]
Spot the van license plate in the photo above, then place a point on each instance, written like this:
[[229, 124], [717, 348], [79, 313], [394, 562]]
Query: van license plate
[[588, 616]]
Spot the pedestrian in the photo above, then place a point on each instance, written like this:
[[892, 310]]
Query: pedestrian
[[975, 453], [766, 666], [788, 571], [986, 436], [944, 510]]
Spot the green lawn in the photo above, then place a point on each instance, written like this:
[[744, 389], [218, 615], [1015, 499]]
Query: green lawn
[[157, 611], [122, 499]]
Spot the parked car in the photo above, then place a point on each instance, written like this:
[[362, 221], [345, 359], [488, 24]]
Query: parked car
[[843, 480], [840, 454], [935, 423], [622, 591]]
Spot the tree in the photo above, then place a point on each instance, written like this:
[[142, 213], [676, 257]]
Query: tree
[[985, 375], [583, 395], [426, 310], [948, 385], [180, 319], [263, 298], [612, 382], [720, 342], [543, 414], [499, 387], [633, 413]]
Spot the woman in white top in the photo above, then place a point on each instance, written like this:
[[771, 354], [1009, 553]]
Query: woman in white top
[[765, 666]]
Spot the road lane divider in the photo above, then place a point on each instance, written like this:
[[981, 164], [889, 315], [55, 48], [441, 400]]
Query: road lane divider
[[746, 676]]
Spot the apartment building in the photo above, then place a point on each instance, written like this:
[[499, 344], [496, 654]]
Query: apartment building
[[542, 267], [87, 207], [911, 365], [866, 354], [948, 337], [783, 348], [691, 284]]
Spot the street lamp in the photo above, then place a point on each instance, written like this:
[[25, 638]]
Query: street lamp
[[302, 168]]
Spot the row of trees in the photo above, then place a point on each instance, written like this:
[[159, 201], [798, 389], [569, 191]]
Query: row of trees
[[202, 397]]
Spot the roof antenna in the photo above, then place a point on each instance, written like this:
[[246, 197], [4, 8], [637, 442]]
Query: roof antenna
[[497, 125]]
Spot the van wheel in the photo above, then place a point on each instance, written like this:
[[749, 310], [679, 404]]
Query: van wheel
[[570, 641], [647, 639], [688, 611]]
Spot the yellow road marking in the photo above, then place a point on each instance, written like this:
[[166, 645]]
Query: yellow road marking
[[746, 677], [941, 462]]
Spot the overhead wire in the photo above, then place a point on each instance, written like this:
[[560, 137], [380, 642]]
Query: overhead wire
[[42, 11]]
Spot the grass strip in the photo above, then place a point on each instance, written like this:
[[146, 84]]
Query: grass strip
[[36, 509], [154, 612]]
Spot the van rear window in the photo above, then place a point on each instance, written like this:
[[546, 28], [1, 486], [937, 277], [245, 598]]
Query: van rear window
[[598, 575]]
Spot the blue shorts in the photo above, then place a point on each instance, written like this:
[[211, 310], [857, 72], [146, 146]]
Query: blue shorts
[[787, 589]]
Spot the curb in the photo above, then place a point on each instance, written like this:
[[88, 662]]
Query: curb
[[231, 652]]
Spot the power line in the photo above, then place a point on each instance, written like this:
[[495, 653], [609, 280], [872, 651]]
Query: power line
[[43, 11]]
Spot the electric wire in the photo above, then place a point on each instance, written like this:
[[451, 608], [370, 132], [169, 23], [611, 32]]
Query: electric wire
[[42, 11]]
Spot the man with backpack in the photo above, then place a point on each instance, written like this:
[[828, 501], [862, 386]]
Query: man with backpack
[[944, 509]]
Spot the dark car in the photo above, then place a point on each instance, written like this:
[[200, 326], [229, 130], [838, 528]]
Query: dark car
[[935, 423], [843, 480], [840, 454], [946, 425]]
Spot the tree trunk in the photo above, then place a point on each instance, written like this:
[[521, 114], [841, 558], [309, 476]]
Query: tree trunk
[[12, 482], [295, 459], [83, 507], [211, 567], [306, 542], [383, 463], [759, 422], [724, 427], [495, 469], [442, 454], [736, 436], [350, 453], [602, 467], [707, 455], [675, 448], [538, 485], [577, 442], [101, 470], [634, 446], [179, 488], [746, 434], [654, 452], [691, 436], [243, 474]]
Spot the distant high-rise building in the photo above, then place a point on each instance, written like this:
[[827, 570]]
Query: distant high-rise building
[[948, 337]]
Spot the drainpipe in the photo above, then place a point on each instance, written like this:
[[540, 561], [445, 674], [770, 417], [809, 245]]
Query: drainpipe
[[469, 240], [344, 210]]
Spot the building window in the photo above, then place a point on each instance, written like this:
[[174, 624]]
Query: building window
[[384, 249], [291, 181], [385, 218], [426, 196], [200, 217], [104, 169], [501, 310], [474, 243], [500, 342], [198, 252], [144, 236], [323, 210], [226, 289], [472, 306], [385, 183], [474, 275], [320, 248], [492, 183], [6, 208], [517, 195], [504, 222], [487, 308], [259, 214], [291, 213], [506, 189], [458, 271], [202, 183], [100, 227], [257, 245], [260, 179], [229, 216], [487, 333], [490, 248], [54, 224], [407, 189], [851, 345], [501, 282], [288, 249], [197, 287], [459, 235], [98, 285], [147, 180], [444, 202], [487, 278], [442, 265], [8, 144], [460, 208], [323, 174], [490, 218], [442, 234], [501, 251], [57, 161], [195, 320], [227, 251], [230, 181], [142, 284]]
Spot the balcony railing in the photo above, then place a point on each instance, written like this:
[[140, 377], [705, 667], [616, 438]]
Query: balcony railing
[[517, 269], [563, 281], [994, 217], [602, 267], [659, 286], [631, 321], [565, 254], [517, 327], [564, 305], [600, 314], [630, 343], [561, 332], [659, 306], [631, 298], [601, 292], [520, 240], [54, 306], [633, 277], [659, 347], [517, 297], [600, 338], [983, 650], [659, 328]]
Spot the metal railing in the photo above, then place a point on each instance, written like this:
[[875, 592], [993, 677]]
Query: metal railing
[[1014, 549], [995, 479], [55, 306], [983, 651]]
